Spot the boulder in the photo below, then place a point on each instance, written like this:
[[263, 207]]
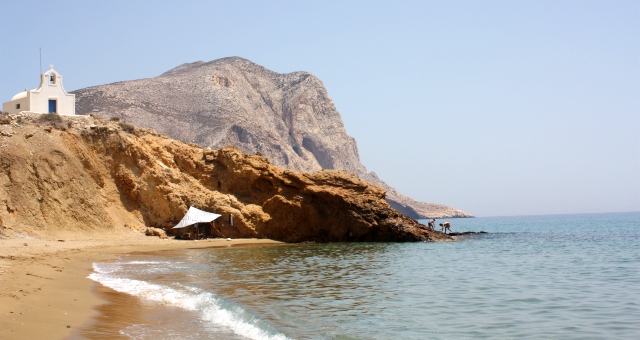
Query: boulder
[[156, 232]]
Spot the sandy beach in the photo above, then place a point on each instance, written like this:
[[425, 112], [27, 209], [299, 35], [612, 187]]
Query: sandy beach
[[44, 289]]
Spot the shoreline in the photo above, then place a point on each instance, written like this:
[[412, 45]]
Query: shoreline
[[45, 291]]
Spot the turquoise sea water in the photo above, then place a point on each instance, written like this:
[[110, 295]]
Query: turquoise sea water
[[558, 277]]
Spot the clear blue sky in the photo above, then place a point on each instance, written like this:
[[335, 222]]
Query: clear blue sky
[[493, 107]]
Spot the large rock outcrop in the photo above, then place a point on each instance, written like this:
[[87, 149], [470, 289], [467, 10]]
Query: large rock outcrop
[[88, 174], [288, 118]]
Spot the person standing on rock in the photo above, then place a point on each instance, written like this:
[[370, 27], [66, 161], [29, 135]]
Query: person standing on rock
[[444, 226], [432, 224]]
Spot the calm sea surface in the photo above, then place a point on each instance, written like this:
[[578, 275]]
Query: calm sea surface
[[558, 277]]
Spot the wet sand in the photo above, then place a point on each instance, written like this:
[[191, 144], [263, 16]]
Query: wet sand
[[45, 292]]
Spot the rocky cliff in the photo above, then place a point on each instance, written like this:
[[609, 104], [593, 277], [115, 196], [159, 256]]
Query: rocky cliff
[[60, 174], [288, 118]]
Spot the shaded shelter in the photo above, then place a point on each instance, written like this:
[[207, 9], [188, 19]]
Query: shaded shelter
[[195, 216]]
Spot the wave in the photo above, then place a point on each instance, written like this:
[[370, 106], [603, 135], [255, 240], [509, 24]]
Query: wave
[[211, 308]]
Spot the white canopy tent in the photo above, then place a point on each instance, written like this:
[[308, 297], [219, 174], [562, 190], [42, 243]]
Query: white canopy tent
[[194, 216]]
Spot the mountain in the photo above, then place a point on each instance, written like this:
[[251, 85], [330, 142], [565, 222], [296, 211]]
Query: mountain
[[288, 118], [83, 174]]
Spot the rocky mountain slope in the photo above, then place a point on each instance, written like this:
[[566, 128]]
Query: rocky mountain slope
[[85, 174], [288, 118]]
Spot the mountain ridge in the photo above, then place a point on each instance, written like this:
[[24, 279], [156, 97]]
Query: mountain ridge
[[286, 117]]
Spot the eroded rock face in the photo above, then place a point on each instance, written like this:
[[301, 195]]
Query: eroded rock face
[[97, 174], [288, 118]]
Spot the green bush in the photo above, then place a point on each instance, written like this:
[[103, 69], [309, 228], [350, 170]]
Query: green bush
[[114, 119]]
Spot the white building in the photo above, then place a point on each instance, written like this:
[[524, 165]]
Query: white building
[[49, 97]]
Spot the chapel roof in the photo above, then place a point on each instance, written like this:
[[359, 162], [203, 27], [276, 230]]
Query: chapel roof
[[20, 95]]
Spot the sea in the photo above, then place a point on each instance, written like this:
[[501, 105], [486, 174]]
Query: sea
[[529, 277]]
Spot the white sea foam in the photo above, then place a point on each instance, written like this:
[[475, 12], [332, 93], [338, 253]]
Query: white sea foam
[[149, 262], [190, 298]]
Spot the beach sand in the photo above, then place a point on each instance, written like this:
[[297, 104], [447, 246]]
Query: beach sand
[[45, 292]]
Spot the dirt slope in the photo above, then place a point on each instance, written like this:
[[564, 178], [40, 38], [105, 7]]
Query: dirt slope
[[68, 175]]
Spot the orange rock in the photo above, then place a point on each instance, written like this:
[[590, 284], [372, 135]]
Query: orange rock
[[84, 179]]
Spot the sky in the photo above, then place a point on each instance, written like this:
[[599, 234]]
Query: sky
[[493, 107]]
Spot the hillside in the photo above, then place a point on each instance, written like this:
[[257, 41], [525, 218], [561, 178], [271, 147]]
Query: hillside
[[86, 174], [289, 118]]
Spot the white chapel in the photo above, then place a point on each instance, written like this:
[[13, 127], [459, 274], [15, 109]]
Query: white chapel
[[49, 97]]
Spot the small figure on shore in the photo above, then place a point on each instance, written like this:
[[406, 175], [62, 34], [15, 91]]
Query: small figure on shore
[[432, 224], [444, 226]]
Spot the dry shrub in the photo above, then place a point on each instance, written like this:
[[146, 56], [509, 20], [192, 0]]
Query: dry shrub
[[54, 120], [127, 127], [50, 118]]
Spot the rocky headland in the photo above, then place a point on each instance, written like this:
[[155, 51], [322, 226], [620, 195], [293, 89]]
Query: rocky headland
[[288, 118], [89, 174]]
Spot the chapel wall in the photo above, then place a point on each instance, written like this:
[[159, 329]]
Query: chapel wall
[[10, 107], [52, 91]]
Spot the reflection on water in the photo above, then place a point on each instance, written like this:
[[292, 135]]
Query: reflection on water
[[298, 286], [112, 317]]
